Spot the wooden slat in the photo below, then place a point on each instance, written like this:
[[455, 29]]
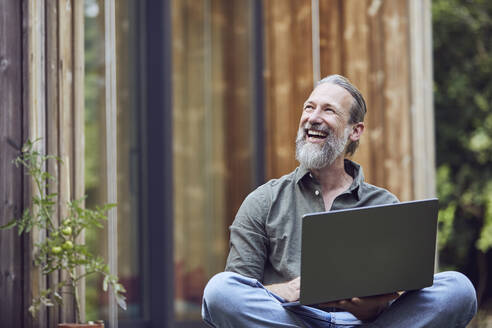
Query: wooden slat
[[356, 66], [11, 113], [65, 105], [398, 163], [278, 21], [375, 134], [422, 99], [111, 148], [237, 95], [52, 120], [78, 123], [180, 148], [36, 129], [331, 50], [315, 37], [288, 79], [301, 68], [127, 268]]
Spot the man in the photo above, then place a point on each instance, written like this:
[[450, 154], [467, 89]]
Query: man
[[262, 269]]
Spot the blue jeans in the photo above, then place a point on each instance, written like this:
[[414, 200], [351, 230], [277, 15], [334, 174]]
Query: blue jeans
[[232, 300]]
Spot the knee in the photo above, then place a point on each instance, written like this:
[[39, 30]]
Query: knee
[[458, 291], [218, 295]]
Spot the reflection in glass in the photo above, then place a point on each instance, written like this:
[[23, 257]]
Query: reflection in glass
[[212, 138], [129, 270]]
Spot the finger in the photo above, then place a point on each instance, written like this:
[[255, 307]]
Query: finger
[[383, 297], [392, 296], [329, 304], [347, 305]]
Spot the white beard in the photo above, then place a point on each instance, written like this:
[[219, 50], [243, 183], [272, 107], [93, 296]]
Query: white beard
[[316, 156]]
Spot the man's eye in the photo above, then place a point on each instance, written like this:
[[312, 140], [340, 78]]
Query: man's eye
[[308, 108]]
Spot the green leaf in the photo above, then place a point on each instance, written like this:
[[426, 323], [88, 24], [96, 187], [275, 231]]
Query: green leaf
[[32, 310], [120, 288], [120, 299], [9, 225], [58, 297], [105, 283]]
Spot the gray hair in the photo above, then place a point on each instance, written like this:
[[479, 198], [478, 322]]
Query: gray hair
[[358, 109]]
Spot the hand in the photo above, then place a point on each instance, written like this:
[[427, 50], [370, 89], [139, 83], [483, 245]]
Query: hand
[[364, 308], [289, 291]]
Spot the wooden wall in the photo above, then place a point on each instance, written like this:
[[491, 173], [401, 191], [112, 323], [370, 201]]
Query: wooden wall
[[41, 96], [372, 44], [382, 46], [11, 178]]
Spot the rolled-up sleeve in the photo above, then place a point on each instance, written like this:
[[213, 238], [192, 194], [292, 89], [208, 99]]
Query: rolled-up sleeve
[[249, 242]]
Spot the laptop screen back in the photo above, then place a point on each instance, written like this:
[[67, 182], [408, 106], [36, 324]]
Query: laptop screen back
[[368, 251]]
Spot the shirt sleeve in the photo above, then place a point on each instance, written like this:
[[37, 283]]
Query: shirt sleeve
[[249, 242]]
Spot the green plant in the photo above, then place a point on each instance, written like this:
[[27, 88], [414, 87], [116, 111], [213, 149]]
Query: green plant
[[60, 249]]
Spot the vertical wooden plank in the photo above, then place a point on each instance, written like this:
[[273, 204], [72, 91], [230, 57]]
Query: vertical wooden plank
[[422, 99], [356, 66], [315, 16], [36, 125], [237, 68], [189, 138], [398, 163], [111, 148], [52, 121], [179, 145], [65, 106], [78, 123], [331, 43], [302, 69], [11, 178], [27, 292], [126, 197], [288, 79], [278, 21], [375, 134], [194, 112]]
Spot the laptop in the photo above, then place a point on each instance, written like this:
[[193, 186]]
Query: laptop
[[367, 251]]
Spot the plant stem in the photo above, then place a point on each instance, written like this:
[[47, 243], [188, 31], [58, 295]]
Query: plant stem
[[42, 192], [76, 293]]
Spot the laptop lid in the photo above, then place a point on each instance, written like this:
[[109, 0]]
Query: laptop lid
[[368, 251]]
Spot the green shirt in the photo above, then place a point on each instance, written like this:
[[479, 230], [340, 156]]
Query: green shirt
[[266, 233]]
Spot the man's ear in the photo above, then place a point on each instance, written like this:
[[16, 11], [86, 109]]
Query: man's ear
[[357, 130]]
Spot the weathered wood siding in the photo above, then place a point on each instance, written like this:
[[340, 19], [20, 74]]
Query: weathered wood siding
[[11, 178], [372, 44], [41, 96]]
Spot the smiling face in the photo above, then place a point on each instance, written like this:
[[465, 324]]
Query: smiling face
[[324, 130]]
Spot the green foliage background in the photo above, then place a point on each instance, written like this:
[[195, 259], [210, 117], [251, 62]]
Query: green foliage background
[[462, 41]]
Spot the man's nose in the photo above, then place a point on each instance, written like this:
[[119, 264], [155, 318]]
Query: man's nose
[[315, 116]]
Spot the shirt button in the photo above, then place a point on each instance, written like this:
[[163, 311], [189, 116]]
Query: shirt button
[[316, 192]]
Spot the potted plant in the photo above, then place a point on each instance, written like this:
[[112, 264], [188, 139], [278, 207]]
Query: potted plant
[[60, 250]]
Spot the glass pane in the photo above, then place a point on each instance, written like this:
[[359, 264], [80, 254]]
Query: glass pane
[[212, 138], [128, 148]]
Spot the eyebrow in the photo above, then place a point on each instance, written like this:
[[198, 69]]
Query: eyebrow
[[324, 105]]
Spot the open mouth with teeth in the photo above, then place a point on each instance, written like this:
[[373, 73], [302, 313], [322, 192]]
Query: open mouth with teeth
[[315, 135]]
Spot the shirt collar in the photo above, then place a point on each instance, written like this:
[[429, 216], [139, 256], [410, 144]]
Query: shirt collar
[[352, 168]]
